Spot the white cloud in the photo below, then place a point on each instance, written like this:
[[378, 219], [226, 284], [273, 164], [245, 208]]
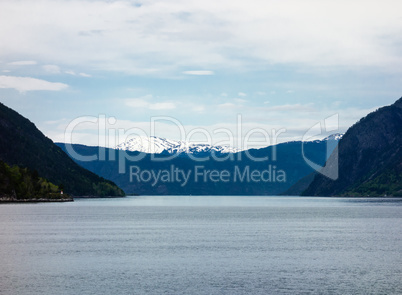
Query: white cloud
[[240, 100], [295, 125], [24, 84], [141, 102], [190, 37], [53, 69], [291, 107], [227, 105], [146, 102], [23, 63], [162, 106], [241, 94], [198, 108], [283, 114], [166, 38], [199, 73], [73, 73]]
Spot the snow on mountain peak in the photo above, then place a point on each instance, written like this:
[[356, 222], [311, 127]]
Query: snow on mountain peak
[[335, 136], [332, 137], [157, 145]]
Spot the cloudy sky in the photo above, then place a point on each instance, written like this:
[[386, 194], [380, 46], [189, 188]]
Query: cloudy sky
[[197, 66]]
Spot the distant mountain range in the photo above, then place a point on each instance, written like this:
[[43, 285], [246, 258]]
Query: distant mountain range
[[284, 159], [368, 155], [369, 158], [157, 145], [23, 145]]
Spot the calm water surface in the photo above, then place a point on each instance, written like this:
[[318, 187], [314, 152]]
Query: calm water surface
[[202, 245]]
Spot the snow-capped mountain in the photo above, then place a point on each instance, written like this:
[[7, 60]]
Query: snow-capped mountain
[[335, 136], [157, 145]]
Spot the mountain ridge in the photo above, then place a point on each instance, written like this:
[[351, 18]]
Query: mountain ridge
[[24, 145], [370, 158], [159, 145], [285, 156]]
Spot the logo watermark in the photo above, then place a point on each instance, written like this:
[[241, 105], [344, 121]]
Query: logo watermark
[[331, 168], [202, 174], [109, 135]]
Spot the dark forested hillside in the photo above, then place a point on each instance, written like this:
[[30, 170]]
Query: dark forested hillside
[[370, 158], [22, 144], [22, 184]]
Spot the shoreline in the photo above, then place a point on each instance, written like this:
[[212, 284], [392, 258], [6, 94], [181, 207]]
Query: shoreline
[[8, 200]]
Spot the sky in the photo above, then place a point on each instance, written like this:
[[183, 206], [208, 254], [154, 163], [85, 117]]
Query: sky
[[225, 72]]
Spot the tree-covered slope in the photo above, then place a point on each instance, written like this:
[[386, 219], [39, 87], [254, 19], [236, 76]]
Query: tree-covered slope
[[22, 184], [370, 158], [22, 144]]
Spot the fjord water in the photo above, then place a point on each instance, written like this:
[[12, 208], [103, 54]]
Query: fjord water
[[202, 245]]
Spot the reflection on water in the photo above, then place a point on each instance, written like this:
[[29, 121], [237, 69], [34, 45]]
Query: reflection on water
[[244, 201], [202, 245]]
